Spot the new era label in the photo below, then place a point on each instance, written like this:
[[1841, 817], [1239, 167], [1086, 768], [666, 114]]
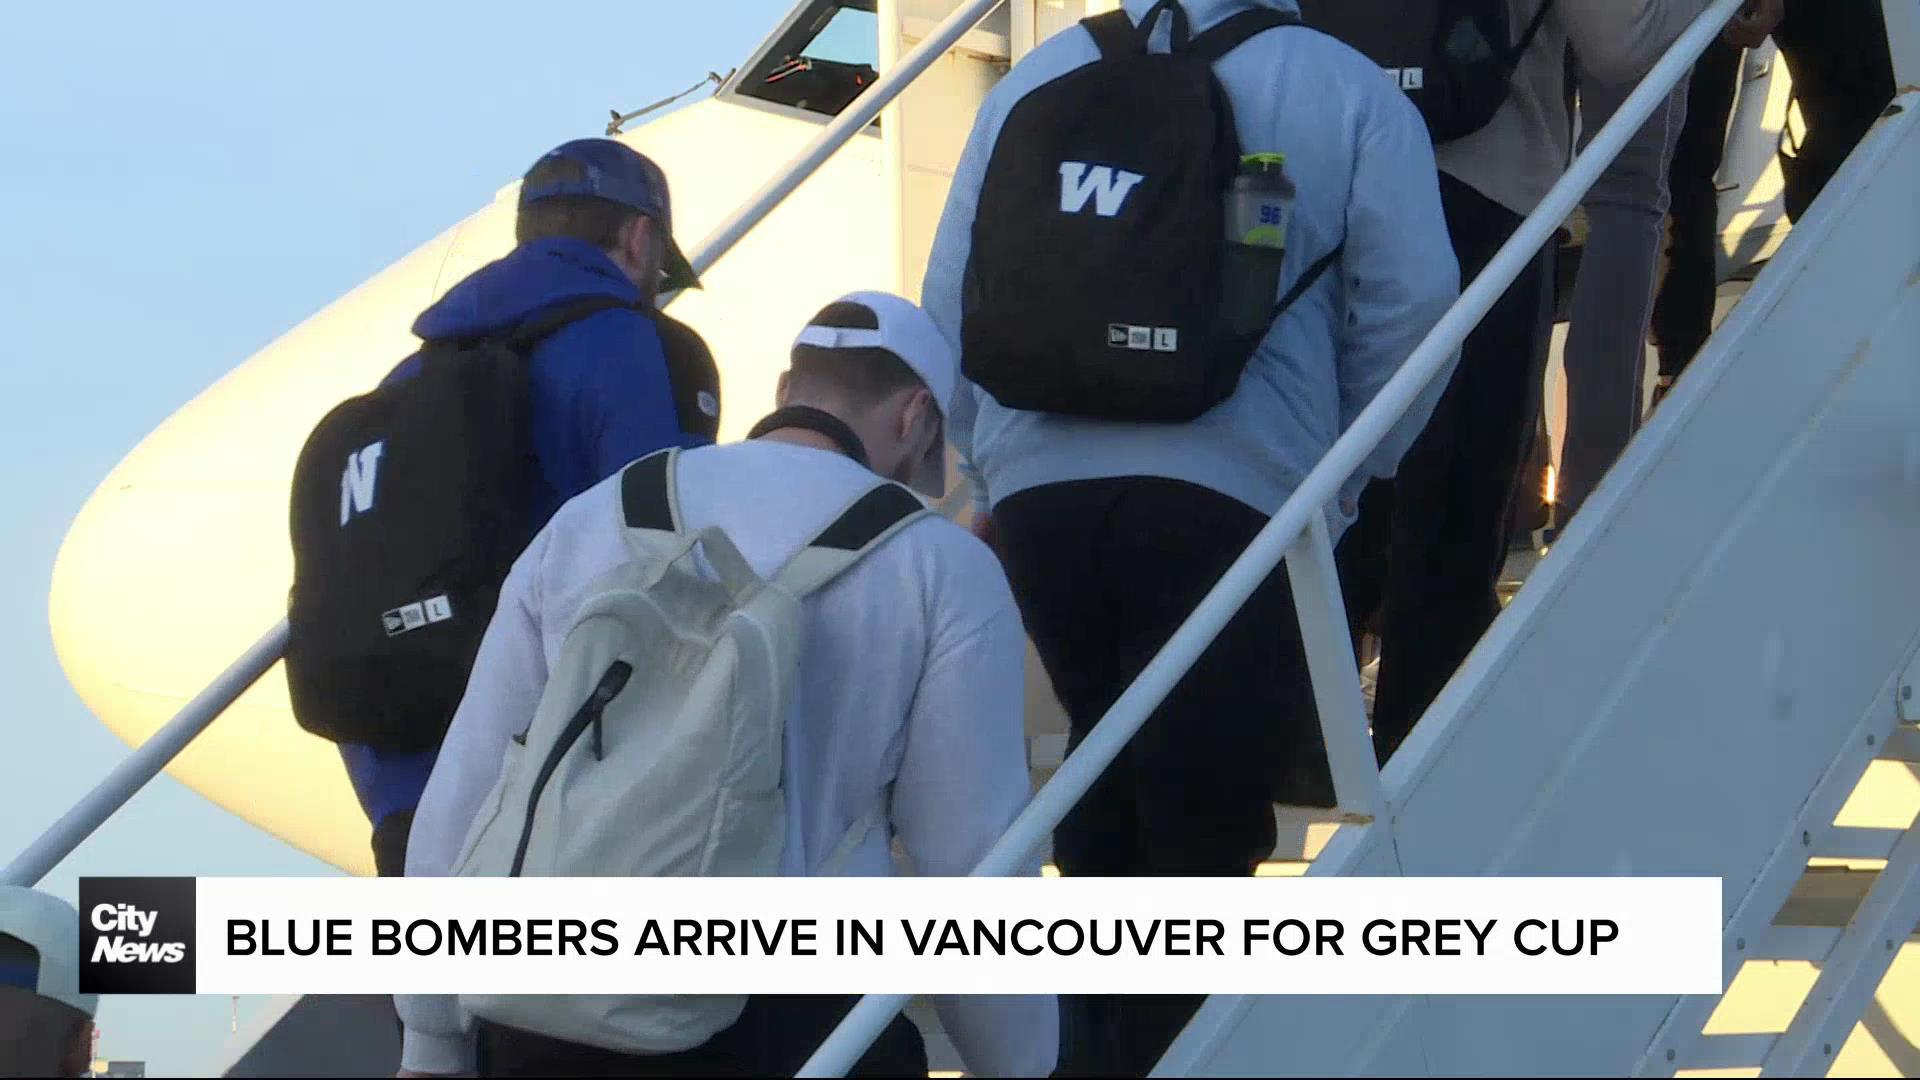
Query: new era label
[[1143, 338], [416, 615]]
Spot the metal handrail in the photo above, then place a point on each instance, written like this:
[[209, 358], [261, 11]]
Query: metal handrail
[[153, 756], [1297, 530]]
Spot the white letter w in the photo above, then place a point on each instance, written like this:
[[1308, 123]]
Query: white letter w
[[356, 483], [1106, 186]]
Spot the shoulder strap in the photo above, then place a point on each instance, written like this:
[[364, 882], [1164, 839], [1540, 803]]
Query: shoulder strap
[[648, 496], [865, 524], [1308, 280], [551, 321], [1235, 30], [1113, 32], [1533, 31]]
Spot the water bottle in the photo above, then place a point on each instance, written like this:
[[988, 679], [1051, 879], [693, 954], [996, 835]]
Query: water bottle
[[1259, 211]]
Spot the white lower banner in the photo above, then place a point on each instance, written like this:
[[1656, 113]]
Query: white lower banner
[[959, 936]]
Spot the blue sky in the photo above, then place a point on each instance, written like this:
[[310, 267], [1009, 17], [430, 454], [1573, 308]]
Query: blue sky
[[178, 186]]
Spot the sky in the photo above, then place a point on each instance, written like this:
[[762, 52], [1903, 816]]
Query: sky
[[181, 184]]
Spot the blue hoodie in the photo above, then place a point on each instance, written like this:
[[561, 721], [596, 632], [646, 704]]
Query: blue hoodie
[[1361, 158], [615, 386]]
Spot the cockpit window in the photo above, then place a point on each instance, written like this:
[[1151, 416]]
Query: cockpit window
[[824, 60]]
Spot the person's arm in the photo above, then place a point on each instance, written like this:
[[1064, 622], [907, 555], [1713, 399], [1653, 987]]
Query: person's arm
[[1399, 271], [509, 674], [642, 391], [964, 779], [1619, 41], [941, 290]]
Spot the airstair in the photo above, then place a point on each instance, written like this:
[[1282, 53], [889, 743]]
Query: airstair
[[1717, 655]]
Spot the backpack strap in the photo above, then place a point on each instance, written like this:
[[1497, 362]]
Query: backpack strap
[[865, 524], [1235, 30], [1520, 47], [649, 493], [551, 321], [1113, 32], [1308, 280], [1181, 31]]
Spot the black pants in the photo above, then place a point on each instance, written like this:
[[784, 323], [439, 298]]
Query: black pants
[[1450, 502], [1104, 572], [390, 844], [1836, 51], [1842, 71], [1683, 310], [773, 1037]]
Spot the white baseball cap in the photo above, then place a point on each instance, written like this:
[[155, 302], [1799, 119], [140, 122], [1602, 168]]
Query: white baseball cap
[[900, 327], [49, 927]]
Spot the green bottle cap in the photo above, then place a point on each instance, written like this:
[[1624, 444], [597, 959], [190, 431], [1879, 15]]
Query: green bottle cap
[[1265, 162]]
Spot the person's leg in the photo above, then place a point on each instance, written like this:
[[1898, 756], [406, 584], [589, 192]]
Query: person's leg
[[1049, 540], [1683, 311], [1456, 485], [390, 844], [1235, 732], [1361, 557], [785, 1031], [389, 785], [1613, 299], [1842, 72], [1239, 730]]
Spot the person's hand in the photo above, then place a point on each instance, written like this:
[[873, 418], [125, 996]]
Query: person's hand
[[1755, 22]]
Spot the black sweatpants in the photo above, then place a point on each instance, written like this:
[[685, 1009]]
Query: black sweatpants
[[1450, 502], [1104, 571], [1836, 51], [1683, 309], [773, 1037], [1842, 72]]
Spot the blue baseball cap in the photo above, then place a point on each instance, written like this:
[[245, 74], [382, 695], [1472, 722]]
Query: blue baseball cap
[[616, 172]]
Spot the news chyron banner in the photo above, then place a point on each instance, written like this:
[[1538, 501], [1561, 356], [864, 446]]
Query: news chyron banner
[[901, 935]]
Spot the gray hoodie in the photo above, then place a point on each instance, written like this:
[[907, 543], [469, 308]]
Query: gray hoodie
[[1515, 159]]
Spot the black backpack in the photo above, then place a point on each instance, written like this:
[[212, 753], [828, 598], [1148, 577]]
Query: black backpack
[[1454, 58], [1096, 281], [410, 504]]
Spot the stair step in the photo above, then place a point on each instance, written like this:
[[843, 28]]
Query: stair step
[[1903, 745], [1855, 843], [1728, 1051], [1812, 944]]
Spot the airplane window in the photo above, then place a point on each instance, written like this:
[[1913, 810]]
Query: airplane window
[[826, 60]]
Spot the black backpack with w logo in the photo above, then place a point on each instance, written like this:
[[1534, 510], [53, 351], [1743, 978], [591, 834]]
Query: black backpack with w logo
[[410, 503], [1096, 280], [1454, 58]]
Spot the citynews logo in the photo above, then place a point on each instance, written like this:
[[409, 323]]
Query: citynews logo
[[137, 935]]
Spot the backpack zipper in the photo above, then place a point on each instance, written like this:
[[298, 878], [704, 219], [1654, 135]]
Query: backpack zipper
[[609, 687]]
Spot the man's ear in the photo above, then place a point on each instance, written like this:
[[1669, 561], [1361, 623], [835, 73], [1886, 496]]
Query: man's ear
[[637, 240], [919, 410], [780, 390]]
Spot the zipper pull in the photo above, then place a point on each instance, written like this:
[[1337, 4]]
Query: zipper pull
[[611, 683]]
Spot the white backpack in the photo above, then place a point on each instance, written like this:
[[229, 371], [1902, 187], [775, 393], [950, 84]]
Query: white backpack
[[656, 747]]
